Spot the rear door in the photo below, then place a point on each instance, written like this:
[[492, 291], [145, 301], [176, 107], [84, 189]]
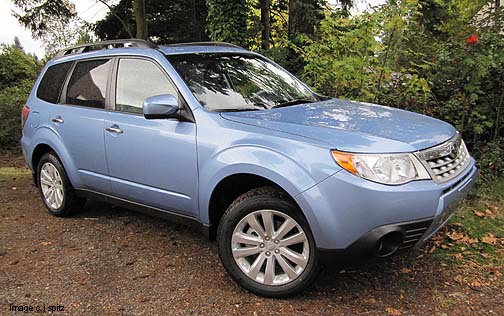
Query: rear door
[[79, 121], [151, 162]]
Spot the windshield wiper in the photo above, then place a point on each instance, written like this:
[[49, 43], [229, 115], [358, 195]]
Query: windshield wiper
[[292, 102], [236, 109]]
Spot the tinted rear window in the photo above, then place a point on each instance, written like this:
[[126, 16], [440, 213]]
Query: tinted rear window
[[88, 84], [51, 84]]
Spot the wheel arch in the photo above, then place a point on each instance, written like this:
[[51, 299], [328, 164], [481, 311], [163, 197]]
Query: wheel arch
[[47, 141], [229, 187]]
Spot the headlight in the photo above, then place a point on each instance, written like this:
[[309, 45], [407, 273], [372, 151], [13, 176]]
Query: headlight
[[390, 169]]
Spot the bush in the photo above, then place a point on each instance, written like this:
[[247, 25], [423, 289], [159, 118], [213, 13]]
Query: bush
[[12, 100], [490, 160], [16, 66], [401, 56], [18, 72]]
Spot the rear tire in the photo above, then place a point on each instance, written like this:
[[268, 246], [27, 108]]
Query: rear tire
[[55, 188], [278, 261]]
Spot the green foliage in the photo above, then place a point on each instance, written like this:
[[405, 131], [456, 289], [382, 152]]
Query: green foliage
[[15, 66], [361, 58], [415, 55], [227, 21], [491, 162], [53, 22], [341, 61], [13, 172], [18, 72], [12, 100], [167, 21], [39, 15]]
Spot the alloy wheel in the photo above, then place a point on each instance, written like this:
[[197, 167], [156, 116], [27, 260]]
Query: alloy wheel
[[270, 247], [52, 185]]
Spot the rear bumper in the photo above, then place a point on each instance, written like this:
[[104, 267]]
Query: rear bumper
[[350, 217]]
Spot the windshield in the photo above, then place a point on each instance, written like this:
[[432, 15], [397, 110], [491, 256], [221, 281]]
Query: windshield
[[239, 82]]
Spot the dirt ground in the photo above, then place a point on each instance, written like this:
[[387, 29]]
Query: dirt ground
[[110, 261]]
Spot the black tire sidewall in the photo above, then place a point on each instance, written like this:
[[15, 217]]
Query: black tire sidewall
[[236, 212]]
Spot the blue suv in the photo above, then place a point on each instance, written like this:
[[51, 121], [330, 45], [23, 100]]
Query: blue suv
[[224, 139]]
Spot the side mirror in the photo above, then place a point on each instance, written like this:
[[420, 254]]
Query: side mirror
[[160, 106]]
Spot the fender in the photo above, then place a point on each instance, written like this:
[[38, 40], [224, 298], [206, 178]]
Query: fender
[[255, 160], [46, 136]]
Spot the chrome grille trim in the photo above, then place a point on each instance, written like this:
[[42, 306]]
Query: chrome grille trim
[[447, 160]]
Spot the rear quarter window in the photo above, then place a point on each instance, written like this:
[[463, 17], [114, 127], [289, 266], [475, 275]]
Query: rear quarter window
[[51, 84]]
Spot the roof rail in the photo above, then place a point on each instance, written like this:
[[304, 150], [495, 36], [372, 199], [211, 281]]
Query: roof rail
[[205, 44], [83, 48]]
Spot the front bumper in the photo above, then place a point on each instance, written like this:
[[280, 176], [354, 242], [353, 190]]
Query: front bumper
[[348, 215], [401, 236]]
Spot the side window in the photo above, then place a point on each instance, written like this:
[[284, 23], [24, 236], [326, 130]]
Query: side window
[[88, 84], [50, 86], [137, 80]]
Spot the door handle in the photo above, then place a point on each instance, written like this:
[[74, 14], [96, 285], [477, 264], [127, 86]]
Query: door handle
[[114, 129], [58, 119]]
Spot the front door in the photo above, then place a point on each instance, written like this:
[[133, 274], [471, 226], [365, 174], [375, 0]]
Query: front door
[[151, 162]]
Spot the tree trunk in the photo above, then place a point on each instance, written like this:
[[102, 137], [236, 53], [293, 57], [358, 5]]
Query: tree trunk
[[195, 21], [292, 18], [140, 19], [303, 16], [265, 23]]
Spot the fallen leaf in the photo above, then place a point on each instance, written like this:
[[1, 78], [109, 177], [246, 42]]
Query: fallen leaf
[[45, 243], [458, 278], [405, 270], [479, 214], [393, 311], [473, 241], [476, 284], [456, 235], [489, 239], [495, 271]]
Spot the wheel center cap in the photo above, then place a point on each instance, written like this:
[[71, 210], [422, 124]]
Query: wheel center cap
[[270, 246]]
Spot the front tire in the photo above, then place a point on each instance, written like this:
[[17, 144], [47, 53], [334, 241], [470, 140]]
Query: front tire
[[55, 188], [266, 244]]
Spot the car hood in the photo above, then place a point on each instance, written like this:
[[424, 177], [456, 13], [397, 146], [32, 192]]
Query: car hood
[[352, 126]]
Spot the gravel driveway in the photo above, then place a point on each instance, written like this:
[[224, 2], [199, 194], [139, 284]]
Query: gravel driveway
[[110, 261]]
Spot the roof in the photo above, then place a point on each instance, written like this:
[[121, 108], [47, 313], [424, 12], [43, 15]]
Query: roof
[[180, 48], [203, 48]]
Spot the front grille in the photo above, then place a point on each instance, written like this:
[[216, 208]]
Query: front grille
[[446, 161]]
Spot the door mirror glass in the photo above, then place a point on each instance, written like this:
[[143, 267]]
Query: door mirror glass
[[160, 106]]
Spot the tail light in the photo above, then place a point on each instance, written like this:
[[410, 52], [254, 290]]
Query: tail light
[[24, 114]]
